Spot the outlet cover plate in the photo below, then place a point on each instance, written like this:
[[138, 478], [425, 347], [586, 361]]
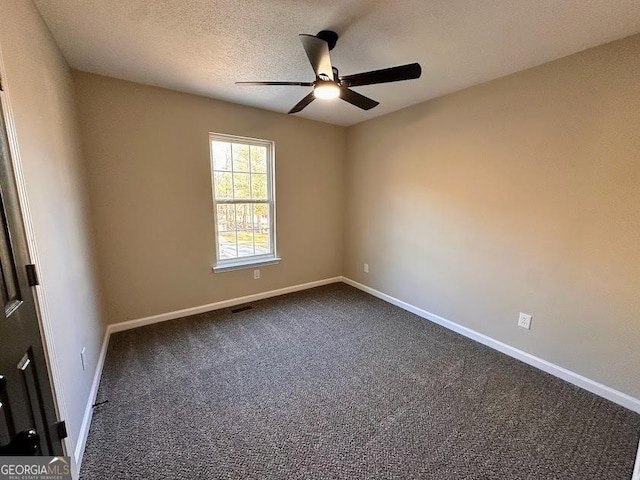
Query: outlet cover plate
[[524, 320]]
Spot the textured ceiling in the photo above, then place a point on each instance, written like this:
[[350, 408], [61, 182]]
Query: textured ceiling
[[203, 46]]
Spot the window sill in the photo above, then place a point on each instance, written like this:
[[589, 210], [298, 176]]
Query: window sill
[[261, 262]]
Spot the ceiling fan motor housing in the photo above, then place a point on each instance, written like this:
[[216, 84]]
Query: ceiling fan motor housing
[[328, 36]]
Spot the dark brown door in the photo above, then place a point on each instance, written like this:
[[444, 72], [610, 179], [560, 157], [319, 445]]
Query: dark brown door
[[28, 424]]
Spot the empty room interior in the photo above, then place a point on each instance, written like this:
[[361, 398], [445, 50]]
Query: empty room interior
[[287, 239]]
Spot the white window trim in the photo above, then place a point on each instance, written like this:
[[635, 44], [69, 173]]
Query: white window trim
[[256, 260], [252, 263]]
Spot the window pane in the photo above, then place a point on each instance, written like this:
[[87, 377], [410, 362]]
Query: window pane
[[227, 245], [221, 155], [245, 243], [244, 222], [226, 231], [262, 242], [261, 216], [255, 218], [261, 227], [223, 186], [243, 216], [240, 158], [259, 189], [226, 218], [258, 159], [241, 188]]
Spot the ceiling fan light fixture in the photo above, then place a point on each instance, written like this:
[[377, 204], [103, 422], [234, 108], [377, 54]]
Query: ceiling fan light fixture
[[326, 90], [329, 84]]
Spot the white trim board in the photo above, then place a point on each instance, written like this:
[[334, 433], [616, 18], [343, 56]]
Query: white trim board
[[81, 443], [140, 322], [592, 386], [636, 469]]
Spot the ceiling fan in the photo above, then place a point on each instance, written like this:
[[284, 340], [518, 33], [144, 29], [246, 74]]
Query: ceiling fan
[[329, 84]]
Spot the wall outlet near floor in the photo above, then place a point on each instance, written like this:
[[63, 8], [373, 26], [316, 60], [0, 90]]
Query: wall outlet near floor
[[256, 274], [366, 268], [82, 358], [524, 320]]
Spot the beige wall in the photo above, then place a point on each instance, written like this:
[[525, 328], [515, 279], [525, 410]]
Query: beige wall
[[147, 155], [517, 195], [521, 194], [39, 88]]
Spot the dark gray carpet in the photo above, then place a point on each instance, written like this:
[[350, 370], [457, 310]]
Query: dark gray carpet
[[332, 383]]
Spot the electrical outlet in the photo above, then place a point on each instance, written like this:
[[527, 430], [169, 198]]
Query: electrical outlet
[[366, 268], [256, 274], [82, 358], [524, 321]]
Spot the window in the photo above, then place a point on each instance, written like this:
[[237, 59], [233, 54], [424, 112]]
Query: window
[[243, 200]]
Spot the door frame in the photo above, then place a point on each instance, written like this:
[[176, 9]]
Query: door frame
[[39, 293]]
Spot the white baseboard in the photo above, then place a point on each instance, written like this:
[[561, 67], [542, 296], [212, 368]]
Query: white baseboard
[[140, 322], [636, 469], [88, 411], [592, 386]]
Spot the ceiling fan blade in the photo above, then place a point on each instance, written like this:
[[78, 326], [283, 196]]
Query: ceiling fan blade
[[303, 103], [354, 98], [318, 53], [385, 75], [298, 84]]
